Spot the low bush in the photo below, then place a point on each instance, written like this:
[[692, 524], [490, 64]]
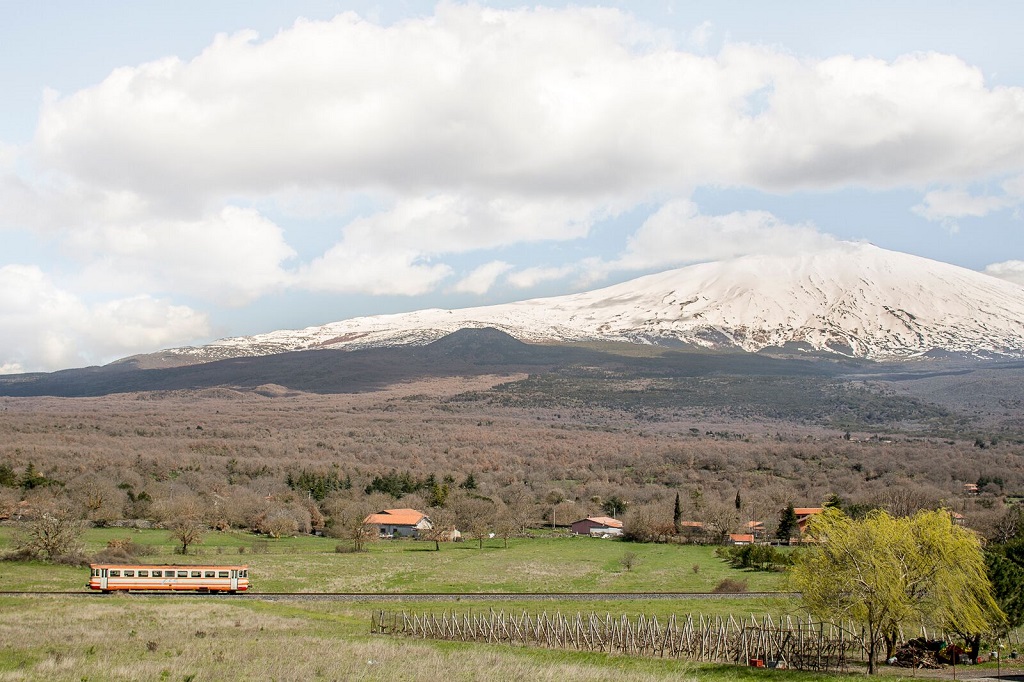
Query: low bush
[[730, 586]]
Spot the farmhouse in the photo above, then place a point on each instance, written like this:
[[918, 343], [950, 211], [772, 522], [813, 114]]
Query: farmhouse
[[402, 523], [597, 525], [804, 515], [755, 528], [741, 538]]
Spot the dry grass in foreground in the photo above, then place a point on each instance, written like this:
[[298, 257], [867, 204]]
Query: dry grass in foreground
[[138, 638]]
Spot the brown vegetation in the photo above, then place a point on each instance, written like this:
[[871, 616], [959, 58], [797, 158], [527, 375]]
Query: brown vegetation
[[287, 463]]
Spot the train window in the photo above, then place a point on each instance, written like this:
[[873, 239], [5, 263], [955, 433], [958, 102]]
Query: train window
[[143, 574], [197, 574], [157, 574], [245, 573], [129, 574], [182, 574], [95, 572], [114, 573], [210, 574], [222, 574]]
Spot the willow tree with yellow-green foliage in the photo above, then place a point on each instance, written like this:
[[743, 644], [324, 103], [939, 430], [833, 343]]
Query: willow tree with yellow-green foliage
[[884, 572]]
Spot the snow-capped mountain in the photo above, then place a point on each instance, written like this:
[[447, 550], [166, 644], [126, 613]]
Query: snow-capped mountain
[[855, 300]]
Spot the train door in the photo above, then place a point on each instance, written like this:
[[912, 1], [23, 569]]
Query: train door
[[234, 579], [103, 578]]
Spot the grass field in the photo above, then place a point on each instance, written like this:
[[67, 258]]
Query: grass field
[[311, 564], [132, 637]]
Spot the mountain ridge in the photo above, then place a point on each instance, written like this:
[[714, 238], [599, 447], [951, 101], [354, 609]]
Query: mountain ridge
[[855, 300]]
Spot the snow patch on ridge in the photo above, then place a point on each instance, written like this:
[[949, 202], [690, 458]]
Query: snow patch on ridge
[[855, 299]]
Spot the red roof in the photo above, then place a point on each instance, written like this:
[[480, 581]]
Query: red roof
[[396, 517], [741, 537], [606, 521], [808, 511]]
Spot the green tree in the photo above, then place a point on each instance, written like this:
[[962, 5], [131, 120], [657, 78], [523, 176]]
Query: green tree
[[1005, 564], [8, 478], [787, 524], [677, 514], [614, 506], [31, 478], [883, 572]]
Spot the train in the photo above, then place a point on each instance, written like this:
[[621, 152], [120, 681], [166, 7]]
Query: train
[[204, 579]]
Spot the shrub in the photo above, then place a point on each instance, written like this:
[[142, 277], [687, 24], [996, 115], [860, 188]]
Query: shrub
[[730, 586]]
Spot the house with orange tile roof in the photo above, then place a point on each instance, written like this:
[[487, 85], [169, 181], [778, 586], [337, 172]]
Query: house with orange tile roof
[[804, 515], [601, 525], [402, 523]]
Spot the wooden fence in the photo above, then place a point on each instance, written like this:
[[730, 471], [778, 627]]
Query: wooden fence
[[784, 642]]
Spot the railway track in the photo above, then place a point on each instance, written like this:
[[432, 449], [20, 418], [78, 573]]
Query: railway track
[[425, 596]]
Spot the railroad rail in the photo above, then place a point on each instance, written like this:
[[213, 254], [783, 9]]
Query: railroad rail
[[424, 596]]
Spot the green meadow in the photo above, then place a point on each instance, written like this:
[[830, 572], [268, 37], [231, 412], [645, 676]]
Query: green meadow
[[135, 637], [313, 564]]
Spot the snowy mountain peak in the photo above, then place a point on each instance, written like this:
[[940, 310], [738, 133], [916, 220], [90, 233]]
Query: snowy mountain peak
[[855, 300]]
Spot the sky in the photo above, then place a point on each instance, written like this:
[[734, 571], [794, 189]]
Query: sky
[[173, 173]]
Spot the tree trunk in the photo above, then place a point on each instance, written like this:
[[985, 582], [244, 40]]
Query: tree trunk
[[872, 649], [975, 643], [890, 644]]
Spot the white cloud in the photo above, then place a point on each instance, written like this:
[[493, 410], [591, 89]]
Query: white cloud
[[46, 327], [948, 205], [679, 233], [394, 251], [574, 101], [531, 277], [1011, 270], [231, 257], [471, 130], [482, 278]]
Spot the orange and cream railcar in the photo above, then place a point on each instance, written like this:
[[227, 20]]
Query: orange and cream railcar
[[110, 577]]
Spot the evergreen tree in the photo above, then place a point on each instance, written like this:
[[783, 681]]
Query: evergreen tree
[[677, 514], [787, 524], [7, 476]]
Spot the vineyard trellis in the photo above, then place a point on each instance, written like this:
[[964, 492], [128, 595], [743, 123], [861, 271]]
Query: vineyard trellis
[[783, 642]]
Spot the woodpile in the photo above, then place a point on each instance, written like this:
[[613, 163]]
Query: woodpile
[[918, 653]]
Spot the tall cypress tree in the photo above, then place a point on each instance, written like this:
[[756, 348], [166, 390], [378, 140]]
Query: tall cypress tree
[[787, 523], [677, 514]]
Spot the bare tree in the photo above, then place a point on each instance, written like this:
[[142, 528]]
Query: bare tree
[[505, 524], [474, 515], [519, 509], [99, 499], [185, 520], [280, 522], [348, 521], [442, 528], [54, 536]]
